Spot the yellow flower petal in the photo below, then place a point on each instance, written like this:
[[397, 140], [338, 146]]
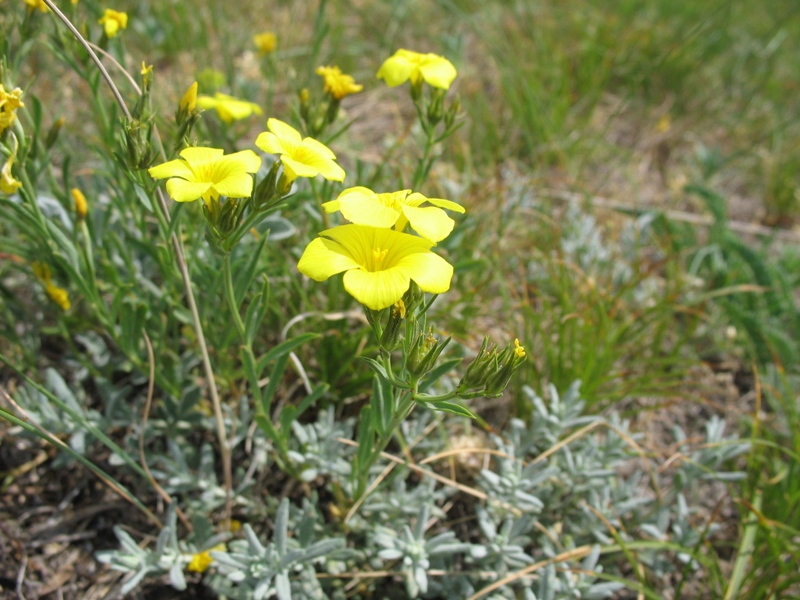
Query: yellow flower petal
[[173, 168], [448, 204], [396, 70], [198, 154], [362, 206], [324, 258], [430, 222], [247, 159], [181, 190], [284, 131], [376, 290], [437, 71], [430, 271], [269, 143], [228, 108], [298, 169]]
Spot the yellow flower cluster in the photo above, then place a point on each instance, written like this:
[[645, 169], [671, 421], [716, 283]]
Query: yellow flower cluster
[[57, 294], [9, 103], [378, 259]]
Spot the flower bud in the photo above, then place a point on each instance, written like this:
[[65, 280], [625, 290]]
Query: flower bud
[[265, 194], [452, 113], [81, 207], [436, 107], [489, 373], [53, 133], [391, 332], [188, 103], [424, 353]]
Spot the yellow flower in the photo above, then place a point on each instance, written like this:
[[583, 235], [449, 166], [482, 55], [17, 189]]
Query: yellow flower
[[337, 84], [265, 42], [207, 173], [229, 108], [404, 65], [301, 157], [378, 264], [37, 4], [519, 350], [112, 21], [81, 206], [362, 206], [58, 295], [9, 185], [202, 560], [189, 100], [9, 103]]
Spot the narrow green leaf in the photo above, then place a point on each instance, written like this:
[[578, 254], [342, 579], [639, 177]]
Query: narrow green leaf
[[284, 348], [435, 374], [246, 275], [450, 407]]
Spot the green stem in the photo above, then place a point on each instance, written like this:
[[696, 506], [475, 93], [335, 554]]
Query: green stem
[[263, 417], [318, 197], [425, 163], [404, 407]]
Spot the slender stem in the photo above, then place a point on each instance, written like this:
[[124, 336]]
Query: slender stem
[[230, 295], [318, 197], [187, 283]]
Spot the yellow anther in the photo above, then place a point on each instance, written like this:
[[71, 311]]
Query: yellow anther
[[400, 308], [378, 255]]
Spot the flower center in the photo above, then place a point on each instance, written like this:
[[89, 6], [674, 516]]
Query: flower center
[[377, 258]]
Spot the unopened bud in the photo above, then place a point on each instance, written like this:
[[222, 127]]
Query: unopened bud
[[53, 133], [81, 207], [189, 101], [424, 353], [391, 332], [436, 107]]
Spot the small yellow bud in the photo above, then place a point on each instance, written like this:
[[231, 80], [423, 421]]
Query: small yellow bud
[[189, 100], [81, 207], [519, 350]]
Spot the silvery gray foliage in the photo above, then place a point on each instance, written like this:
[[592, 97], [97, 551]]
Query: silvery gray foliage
[[504, 549], [261, 571], [541, 503], [562, 584], [169, 556], [416, 552], [315, 450]]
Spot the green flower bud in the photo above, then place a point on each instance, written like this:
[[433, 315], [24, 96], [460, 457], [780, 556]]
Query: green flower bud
[[390, 335], [436, 107]]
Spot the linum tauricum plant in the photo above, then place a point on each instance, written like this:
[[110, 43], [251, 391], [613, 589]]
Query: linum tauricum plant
[[117, 258]]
